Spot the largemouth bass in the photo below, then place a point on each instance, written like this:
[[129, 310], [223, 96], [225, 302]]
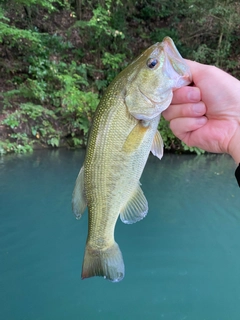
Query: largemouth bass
[[123, 133]]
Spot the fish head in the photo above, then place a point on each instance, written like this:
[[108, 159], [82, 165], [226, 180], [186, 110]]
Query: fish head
[[152, 79]]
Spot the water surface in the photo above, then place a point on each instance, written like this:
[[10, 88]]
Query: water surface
[[182, 261]]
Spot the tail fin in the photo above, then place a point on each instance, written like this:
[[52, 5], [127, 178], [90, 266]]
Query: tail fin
[[106, 263]]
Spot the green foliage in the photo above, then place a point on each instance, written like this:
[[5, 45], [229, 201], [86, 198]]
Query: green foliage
[[59, 85], [36, 120], [57, 66], [169, 140], [101, 22], [213, 36], [112, 63], [77, 107], [46, 4], [173, 143], [104, 31], [18, 143], [13, 36], [188, 149]]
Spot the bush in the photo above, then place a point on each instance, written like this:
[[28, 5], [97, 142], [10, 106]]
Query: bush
[[57, 66]]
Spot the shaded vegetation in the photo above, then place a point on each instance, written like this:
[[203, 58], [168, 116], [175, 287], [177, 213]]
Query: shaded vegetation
[[57, 57]]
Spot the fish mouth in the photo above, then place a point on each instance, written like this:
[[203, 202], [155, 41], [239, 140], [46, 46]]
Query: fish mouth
[[157, 106], [174, 65], [153, 102]]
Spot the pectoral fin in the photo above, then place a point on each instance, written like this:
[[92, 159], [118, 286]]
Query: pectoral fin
[[135, 138], [79, 202], [136, 208], [157, 146]]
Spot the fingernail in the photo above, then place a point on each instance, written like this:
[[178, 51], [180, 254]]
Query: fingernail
[[199, 108], [201, 121], [194, 95]]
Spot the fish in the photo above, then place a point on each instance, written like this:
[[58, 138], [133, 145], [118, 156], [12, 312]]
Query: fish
[[123, 132]]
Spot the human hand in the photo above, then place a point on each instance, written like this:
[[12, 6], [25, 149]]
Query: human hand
[[207, 115]]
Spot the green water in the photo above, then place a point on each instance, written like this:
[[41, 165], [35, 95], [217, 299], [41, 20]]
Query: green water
[[182, 261]]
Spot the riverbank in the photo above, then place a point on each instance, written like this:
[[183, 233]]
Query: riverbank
[[57, 59]]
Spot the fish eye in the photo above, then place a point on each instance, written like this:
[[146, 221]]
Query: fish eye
[[151, 63]]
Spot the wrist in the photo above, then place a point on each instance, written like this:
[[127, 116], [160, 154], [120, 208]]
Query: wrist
[[234, 146]]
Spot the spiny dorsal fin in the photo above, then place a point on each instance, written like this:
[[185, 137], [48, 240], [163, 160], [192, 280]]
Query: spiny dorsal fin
[[79, 202], [136, 208], [157, 146]]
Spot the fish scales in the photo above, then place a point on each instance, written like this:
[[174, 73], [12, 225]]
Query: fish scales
[[123, 133], [111, 163]]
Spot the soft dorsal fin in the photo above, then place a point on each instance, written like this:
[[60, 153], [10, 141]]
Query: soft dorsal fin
[[135, 138], [136, 208], [157, 146], [79, 202]]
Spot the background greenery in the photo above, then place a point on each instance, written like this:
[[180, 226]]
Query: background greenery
[[57, 57]]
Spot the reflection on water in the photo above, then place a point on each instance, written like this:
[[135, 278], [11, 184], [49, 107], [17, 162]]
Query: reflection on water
[[182, 261]]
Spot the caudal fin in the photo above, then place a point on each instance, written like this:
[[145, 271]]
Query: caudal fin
[[106, 263]]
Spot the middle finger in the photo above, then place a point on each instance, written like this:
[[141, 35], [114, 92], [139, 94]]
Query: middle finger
[[184, 110]]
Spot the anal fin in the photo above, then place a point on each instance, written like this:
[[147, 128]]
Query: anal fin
[[136, 208], [79, 202]]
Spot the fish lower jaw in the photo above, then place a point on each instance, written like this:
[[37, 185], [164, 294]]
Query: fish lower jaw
[[157, 107]]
